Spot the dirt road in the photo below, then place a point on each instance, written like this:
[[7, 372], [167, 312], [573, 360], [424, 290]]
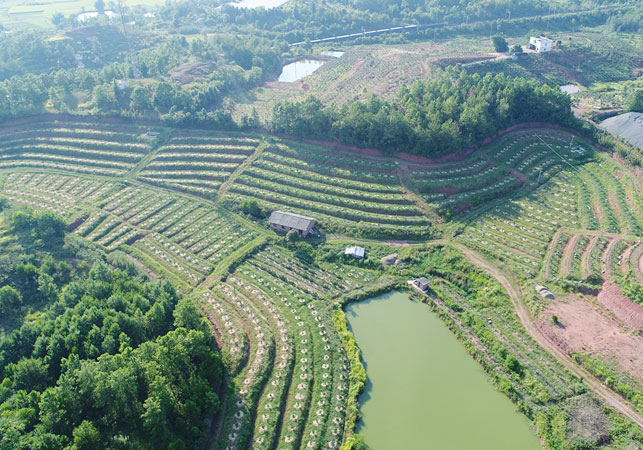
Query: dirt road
[[609, 397]]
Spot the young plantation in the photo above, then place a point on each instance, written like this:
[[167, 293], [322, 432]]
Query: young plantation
[[542, 203]]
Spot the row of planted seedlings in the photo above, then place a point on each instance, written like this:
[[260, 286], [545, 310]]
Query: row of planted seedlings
[[40, 163], [249, 379], [197, 165], [106, 152], [352, 170], [393, 195], [616, 261], [319, 283], [346, 209], [462, 182], [596, 256], [636, 261], [171, 214], [375, 185], [177, 259], [574, 271], [521, 230], [36, 197], [497, 249], [468, 199], [627, 212], [314, 415], [335, 158], [512, 149], [556, 258], [448, 170], [401, 206], [67, 130], [599, 195], [213, 236], [587, 215], [81, 154], [334, 222], [289, 332]]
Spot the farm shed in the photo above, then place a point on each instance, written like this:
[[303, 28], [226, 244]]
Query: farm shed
[[540, 43], [544, 292], [422, 284], [283, 221], [355, 252], [628, 126]]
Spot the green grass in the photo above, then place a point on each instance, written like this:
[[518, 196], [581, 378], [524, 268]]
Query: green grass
[[24, 13]]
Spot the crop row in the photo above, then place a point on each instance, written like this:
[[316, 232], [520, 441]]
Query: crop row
[[519, 231]]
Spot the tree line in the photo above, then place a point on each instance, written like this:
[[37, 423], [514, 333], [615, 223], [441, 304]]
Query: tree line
[[449, 112], [107, 358]]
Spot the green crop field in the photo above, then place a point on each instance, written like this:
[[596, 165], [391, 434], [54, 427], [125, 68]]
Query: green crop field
[[531, 201], [24, 13]]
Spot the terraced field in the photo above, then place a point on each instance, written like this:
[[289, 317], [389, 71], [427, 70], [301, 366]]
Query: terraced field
[[527, 201], [293, 389], [344, 190], [181, 235], [519, 160], [73, 146], [198, 163], [555, 230]]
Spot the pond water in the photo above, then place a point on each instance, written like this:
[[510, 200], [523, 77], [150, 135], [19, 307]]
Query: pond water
[[570, 88], [424, 391], [333, 53], [299, 69], [251, 4]]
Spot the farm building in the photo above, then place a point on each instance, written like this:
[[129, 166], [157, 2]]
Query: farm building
[[540, 43], [283, 221], [355, 252], [544, 292], [421, 284]]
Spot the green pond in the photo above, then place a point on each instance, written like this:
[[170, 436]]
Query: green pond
[[424, 391]]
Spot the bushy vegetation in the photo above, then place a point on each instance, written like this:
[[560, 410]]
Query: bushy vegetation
[[448, 112], [106, 359]]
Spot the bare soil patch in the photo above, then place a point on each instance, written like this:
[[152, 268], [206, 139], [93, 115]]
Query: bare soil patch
[[625, 310], [590, 328], [187, 73], [597, 210]]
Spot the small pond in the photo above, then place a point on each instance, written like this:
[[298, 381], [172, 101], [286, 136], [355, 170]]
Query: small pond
[[333, 54], [569, 89], [424, 391], [299, 69]]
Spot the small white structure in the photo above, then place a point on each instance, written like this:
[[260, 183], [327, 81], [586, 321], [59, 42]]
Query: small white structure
[[355, 252], [122, 84], [421, 284], [540, 43]]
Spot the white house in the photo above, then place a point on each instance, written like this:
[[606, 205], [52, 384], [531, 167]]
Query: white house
[[355, 252], [540, 43]]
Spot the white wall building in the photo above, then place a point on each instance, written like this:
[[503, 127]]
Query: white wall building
[[540, 43]]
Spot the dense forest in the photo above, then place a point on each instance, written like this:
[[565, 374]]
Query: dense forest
[[99, 357], [449, 112]]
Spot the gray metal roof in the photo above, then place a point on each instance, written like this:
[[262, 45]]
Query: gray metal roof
[[628, 126], [291, 220]]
